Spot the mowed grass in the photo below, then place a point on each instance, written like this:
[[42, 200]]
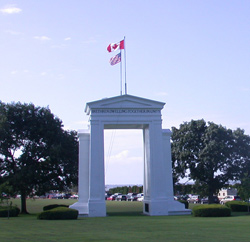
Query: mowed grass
[[125, 222]]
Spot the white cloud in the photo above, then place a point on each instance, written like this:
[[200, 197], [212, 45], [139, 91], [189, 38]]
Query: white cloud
[[68, 38], [124, 157], [43, 74], [42, 38], [123, 154], [11, 9], [124, 169], [13, 32]]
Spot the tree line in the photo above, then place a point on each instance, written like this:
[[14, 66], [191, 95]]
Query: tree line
[[126, 189]]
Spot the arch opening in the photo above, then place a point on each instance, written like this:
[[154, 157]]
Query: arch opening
[[123, 157]]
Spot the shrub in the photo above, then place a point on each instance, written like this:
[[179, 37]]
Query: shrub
[[51, 206], [59, 213], [237, 206], [211, 210], [6, 211], [185, 203]]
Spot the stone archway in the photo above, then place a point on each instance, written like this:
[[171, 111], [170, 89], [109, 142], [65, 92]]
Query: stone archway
[[126, 112]]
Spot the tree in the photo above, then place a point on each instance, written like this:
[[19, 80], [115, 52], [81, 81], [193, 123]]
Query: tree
[[240, 155], [244, 187], [36, 154], [203, 152], [241, 168]]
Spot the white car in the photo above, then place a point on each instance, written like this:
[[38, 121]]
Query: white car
[[194, 199], [75, 196], [229, 198], [140, 197]]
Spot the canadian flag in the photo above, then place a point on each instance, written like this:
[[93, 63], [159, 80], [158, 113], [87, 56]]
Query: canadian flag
[[115, 46]]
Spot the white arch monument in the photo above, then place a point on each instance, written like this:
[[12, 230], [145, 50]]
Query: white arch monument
[[126, 112]]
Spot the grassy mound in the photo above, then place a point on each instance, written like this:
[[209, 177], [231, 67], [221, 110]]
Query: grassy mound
[[51, 206], [237, 206], [6, 211], [211, 210], [58, 213]]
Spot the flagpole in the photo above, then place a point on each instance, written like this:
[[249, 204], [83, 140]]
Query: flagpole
[[125, 72], [121, 72]]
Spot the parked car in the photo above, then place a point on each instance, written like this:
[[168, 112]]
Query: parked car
[[107, 195], [74, 196], [132, 197], [184, 197], [205, 200], [111, 198], [122, 197], [141, 198], [194, 199], [67, 196], [177, 197], [181, 197], [229, 198], [117, 193], [132, 193]]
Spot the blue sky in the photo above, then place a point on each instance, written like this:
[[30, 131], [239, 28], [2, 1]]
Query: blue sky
[[192, 55]]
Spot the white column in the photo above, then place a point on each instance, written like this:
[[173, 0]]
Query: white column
[[174, 207], [97, 204], [166, 134], [146, 170], [157, 166], [155, 203], [83, 173]]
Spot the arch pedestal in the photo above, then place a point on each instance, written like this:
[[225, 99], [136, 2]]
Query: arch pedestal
[[126, 112]]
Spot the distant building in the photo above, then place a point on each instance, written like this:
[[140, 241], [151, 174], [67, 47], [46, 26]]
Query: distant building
[[227, 191]]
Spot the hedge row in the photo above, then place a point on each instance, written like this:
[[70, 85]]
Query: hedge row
[[51, 206], [238, 206], [59, 213], [211, 210], [6, 211]]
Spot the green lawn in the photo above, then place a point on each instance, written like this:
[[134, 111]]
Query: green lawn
[[124, 222]]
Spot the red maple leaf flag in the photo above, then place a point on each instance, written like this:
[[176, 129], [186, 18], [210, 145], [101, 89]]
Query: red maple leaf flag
[[122, 45], [115, 46]]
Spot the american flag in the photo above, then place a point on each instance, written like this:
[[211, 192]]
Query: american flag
[[115, 60]]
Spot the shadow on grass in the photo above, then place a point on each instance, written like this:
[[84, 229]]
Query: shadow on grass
[[237, 214], [125, 214]]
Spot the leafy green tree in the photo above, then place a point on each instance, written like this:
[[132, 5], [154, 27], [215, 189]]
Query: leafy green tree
[[241, 168], [240, 155], [184, 189], [244, 189], [36, 154], [202, 152]]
